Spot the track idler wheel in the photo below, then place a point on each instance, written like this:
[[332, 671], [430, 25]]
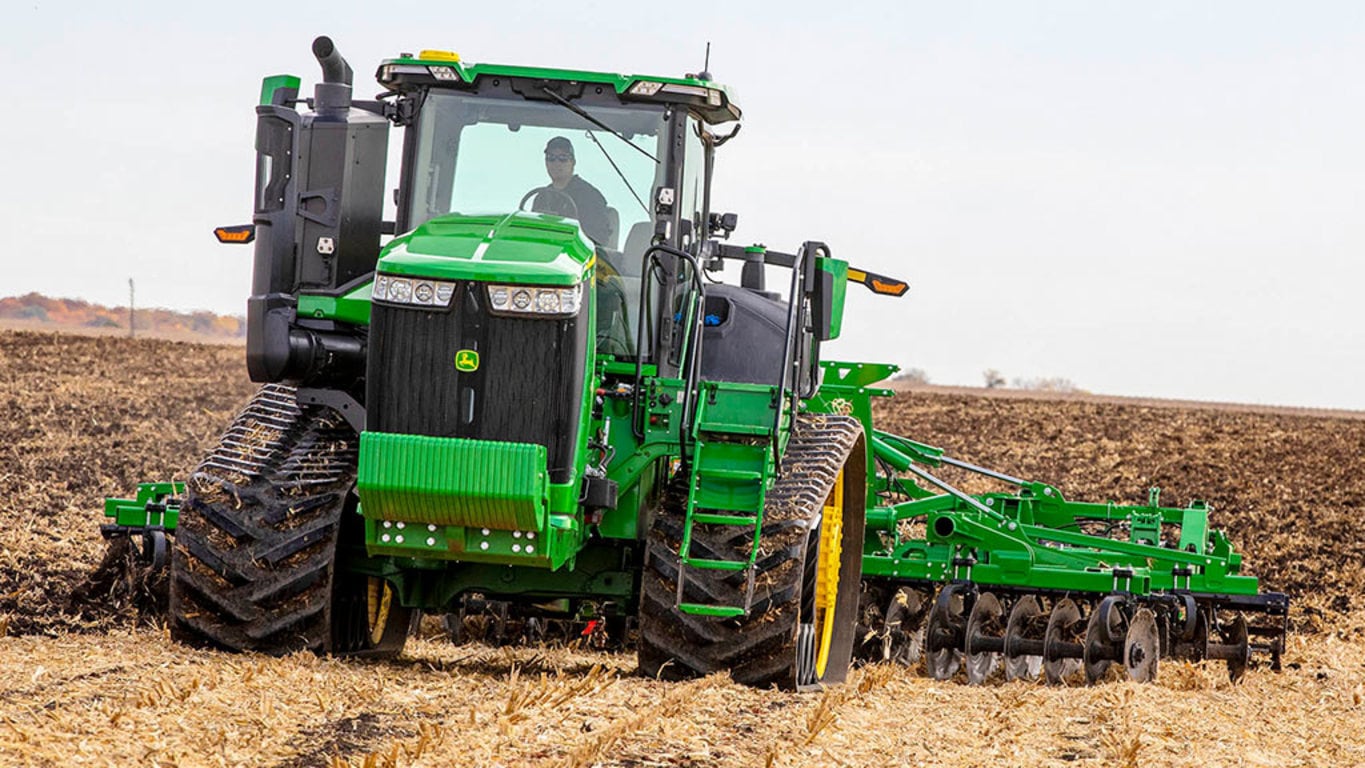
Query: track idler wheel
[[1025, 633], [985, 638], [1104, 637], [1142, 647], [1063, 643], [947, 627]]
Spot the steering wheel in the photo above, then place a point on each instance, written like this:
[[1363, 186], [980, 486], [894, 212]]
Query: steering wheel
[[551, 193]]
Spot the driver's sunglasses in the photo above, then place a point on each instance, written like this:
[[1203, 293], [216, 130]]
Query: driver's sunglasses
[[558, 158]]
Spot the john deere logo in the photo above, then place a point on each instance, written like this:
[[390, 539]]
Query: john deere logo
[[467, 360]]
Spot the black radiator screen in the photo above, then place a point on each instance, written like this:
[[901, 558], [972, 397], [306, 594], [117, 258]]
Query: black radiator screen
[[527, 388]]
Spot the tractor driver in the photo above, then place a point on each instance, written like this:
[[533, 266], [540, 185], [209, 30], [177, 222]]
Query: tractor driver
[[569, 195]]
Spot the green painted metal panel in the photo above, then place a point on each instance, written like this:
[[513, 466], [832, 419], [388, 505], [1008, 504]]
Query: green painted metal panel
[[1055, 555], [717, 611], [837, 269], [275, 82], [518, 247], [353, 308], [1194, 529], [148, 509], [858, 375], [450, 481], [729, 477], [735, 408]]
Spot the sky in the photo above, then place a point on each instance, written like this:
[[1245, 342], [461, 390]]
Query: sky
[[1156, 199]]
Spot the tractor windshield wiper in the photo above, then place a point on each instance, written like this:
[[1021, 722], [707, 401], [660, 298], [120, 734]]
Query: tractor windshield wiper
[[614, 167], [583, 113]]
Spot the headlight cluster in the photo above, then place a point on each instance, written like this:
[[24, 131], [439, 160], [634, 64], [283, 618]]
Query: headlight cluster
[[545, 301], [651, 87], [412, 290]]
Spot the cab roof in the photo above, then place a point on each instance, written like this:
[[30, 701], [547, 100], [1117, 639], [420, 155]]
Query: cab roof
[[713, 102]]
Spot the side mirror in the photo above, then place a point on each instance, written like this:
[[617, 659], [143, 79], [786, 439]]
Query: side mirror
[[826, 285], [722, 224]]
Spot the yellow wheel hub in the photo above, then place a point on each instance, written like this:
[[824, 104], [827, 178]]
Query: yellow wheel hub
[[827, 572], [378, 599]]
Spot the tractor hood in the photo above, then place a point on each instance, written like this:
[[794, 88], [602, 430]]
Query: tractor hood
[[518, 247]]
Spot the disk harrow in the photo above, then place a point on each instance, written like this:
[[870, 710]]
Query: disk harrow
[[1023, 585], [1023, 636]]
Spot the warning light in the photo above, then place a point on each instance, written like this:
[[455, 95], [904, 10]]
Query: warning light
[[237, 235], [433, 55]]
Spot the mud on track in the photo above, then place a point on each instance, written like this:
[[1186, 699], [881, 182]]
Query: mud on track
[[100, 684]]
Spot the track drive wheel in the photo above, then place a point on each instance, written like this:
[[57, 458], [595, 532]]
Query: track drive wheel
[[801, 626], [367, 619], [253, 567]]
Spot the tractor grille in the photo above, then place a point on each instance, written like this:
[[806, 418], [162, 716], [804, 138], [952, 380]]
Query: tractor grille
[[528, 387]]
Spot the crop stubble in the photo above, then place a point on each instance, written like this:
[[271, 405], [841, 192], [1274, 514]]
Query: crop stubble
[[99, 683]]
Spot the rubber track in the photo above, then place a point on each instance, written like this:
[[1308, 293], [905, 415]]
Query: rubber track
[[254, 549], [760, 649]]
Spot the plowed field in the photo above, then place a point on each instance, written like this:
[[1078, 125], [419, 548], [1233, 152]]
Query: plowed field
[[87, 678]]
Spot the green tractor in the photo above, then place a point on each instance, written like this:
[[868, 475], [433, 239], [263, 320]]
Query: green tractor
[[546, 395]]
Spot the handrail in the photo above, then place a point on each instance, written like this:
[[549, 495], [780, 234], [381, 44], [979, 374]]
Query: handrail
[[690, 354]]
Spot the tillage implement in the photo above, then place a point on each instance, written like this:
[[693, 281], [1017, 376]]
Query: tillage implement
[[550, 384]]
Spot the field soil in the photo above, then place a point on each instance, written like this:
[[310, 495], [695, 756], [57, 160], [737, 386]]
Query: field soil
[[88, 675]]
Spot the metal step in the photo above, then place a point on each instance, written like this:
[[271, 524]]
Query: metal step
[[711, 518], [716, 565], [720, 611], [732, 475]]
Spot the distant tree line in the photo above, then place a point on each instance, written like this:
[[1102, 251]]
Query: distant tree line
[[81, 313]]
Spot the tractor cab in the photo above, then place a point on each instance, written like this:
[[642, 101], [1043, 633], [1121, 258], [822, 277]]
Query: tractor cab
[[623, 157]]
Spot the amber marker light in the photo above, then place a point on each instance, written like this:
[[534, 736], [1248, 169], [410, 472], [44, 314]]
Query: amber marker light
[[235, 235], [890, 288], [878, 283]]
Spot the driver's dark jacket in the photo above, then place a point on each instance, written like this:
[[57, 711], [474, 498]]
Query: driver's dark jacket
[[592, 207]]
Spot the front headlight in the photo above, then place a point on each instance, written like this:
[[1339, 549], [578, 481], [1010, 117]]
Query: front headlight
[[538, 300], [415, 291]]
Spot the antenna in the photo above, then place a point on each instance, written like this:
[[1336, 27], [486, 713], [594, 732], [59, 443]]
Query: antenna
[[705, 73]]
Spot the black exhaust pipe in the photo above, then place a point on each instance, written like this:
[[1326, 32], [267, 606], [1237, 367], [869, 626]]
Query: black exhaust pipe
[[332, 96], [334, 67]]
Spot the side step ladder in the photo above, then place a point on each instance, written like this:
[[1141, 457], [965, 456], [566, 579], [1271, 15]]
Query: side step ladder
[[729, 487]]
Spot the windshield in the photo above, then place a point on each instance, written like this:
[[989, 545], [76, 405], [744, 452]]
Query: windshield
[[478, 155]]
